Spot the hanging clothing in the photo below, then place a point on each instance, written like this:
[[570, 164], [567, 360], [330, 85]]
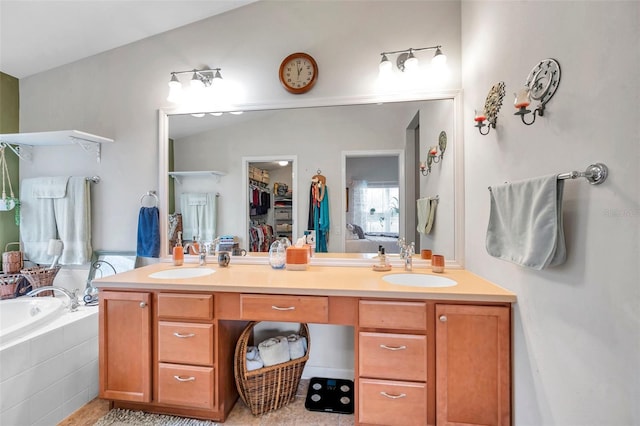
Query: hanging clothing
[[319, 211]]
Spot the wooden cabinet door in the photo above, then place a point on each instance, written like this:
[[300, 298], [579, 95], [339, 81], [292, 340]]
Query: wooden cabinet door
[[125, 346], [473, 365]]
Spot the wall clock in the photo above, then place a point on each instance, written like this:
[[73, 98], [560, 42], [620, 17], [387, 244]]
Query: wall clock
[[298, 73]]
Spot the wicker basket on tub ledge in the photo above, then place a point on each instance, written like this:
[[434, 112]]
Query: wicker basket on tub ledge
[[40, 276], [267, 388]]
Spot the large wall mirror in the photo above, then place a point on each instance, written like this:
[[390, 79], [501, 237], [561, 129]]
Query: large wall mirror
[[215, 154]]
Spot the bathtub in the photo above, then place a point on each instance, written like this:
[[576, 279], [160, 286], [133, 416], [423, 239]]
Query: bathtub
[[19, 316], [48, 359]]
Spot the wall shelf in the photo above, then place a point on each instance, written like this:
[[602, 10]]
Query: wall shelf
[[22, 143], [178, 176]]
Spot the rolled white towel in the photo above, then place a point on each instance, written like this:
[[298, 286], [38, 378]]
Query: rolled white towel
[[254, 362], [274, 351], [297, 346]]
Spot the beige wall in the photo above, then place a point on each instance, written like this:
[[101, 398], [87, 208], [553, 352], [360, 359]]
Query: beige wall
[[577, 325]]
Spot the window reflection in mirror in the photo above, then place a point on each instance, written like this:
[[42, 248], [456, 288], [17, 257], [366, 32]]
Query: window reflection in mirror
[[373, 204]]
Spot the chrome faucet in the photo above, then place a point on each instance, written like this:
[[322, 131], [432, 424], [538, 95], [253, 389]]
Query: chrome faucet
[[72, 295], [408, 256], [202, 256], [402, 243]]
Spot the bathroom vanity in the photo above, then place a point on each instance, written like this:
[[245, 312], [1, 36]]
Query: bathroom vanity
[[423, 355]]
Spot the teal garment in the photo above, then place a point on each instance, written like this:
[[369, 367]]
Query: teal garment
[[322, 222]]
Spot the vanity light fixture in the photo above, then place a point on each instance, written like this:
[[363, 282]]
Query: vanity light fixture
[[541, 85], [407, 61], [433, 156], [200, 79], [490, 110]]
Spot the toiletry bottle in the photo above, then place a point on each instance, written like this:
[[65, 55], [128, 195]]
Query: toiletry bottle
[[383, 257], [178, 251], [195, 246]]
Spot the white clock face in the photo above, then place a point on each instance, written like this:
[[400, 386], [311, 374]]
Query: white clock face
[[298, 73]]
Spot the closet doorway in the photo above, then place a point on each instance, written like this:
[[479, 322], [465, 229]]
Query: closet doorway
[[270, 204]]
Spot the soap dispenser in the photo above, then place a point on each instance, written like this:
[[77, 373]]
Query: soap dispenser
[[178, 251]]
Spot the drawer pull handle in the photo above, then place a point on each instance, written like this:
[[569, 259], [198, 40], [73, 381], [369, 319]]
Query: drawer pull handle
[[278, 308], [183, 336], [402, 395], [393, 348], [443, 318], [184, 379]]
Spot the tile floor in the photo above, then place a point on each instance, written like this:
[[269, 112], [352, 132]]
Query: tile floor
[[294, 414]]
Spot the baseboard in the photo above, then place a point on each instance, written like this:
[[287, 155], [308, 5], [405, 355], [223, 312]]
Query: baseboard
[[334, 373]]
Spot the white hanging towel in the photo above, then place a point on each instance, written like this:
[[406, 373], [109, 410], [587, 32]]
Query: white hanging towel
[[49, 212], [423, 207], [525, 222], [199, 213], [426, 212]]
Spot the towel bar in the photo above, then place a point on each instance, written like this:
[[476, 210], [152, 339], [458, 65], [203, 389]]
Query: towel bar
[[150, 194], [595, 174]]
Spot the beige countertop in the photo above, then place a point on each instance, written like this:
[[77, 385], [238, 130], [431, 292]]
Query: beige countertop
[[316, 280]]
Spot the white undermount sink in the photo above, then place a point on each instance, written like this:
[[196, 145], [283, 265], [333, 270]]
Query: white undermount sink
[[179, 273], [419, 280]]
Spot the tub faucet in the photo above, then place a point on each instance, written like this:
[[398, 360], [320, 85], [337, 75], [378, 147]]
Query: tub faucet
[[72, 295]]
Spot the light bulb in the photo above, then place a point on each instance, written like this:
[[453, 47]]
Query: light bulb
[[283, 163], [175, 89], [439, 58], [385, 65], [196, 82], [411, 63]]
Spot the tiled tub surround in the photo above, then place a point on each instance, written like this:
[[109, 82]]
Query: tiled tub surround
[[51, 371]]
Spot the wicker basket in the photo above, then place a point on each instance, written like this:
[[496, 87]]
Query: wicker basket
[[9, 284], [268, 388], [40, 277]]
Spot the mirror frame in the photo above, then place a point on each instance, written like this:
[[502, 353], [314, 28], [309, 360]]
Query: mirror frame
[[456, 143]]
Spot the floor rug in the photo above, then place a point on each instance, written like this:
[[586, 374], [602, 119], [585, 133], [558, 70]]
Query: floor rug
[[120, 417]]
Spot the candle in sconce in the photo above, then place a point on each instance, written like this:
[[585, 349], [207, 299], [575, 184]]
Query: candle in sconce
[[523, 98], [423, 165], [433, 151], [480, 115]]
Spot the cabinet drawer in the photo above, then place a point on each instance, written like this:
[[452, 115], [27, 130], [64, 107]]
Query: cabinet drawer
[[393, 315], [393, 356], [185, 306], [186, 343], [186, 385], [284, 308], [383, 402]]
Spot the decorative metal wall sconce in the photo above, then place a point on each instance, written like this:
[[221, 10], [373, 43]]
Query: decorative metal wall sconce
[[200, 79], [491, 108], [433, 156], [541, 85]]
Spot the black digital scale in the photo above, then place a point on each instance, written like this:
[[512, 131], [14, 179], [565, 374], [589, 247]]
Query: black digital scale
[[330, 395]]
